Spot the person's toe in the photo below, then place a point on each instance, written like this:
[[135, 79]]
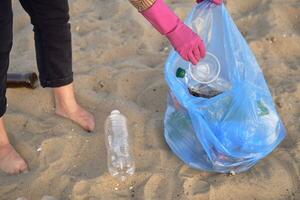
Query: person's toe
[[22, 166], [91, 124], [85, 119], [19, 166]]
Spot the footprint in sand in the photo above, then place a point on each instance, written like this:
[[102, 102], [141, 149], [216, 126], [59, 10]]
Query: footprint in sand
[[252, 19], [273, 178]]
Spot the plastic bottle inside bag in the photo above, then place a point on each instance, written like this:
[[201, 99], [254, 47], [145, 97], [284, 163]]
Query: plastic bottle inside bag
[[203, 79], [119, 159]]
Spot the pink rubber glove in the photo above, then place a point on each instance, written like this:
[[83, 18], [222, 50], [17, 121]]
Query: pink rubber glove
[[187, 43], [218, 2]]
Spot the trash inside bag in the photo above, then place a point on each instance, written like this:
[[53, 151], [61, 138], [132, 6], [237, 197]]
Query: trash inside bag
[[230, 123]]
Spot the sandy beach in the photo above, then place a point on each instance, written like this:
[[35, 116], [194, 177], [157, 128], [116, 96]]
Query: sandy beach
[[118, 61]]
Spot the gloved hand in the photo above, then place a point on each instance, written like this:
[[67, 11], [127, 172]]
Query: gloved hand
[[187, 43], [218, 2]]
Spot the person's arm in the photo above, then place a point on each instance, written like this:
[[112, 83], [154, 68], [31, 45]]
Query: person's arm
[[142, 5], [187, 43]]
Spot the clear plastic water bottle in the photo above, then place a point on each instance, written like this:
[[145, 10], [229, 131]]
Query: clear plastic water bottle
[[119, 159]]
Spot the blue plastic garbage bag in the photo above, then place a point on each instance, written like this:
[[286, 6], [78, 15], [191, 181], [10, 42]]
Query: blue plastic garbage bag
[[235, 129]]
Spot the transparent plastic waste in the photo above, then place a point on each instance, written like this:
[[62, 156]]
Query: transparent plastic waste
[[119, 158], [231, 130], [203, 79], [207, 70]]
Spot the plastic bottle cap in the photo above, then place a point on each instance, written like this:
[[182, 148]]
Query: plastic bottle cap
[[180, 73], [115, 112]]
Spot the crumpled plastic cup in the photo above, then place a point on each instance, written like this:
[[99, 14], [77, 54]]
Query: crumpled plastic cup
[[207, 70]]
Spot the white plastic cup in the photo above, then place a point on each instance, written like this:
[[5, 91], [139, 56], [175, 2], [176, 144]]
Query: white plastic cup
[[207, 70]]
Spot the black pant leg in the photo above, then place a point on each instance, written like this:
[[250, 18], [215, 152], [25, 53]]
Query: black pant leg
[[52, 33], [6, 35]]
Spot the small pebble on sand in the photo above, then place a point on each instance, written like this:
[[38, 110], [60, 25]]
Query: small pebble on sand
[[232, 173], [48, 198], [273, 39], [21, 198]]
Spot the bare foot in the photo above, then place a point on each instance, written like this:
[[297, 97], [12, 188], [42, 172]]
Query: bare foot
[[78, 115], [10, 161], [67, 106]]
